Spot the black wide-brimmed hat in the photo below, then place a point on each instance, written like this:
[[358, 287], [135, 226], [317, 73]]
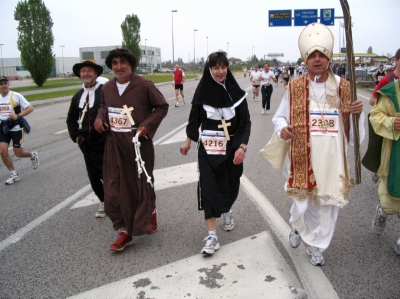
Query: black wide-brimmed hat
[[77, 67]]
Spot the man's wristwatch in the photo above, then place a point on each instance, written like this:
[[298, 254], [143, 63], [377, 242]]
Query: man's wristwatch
[[243, 148]]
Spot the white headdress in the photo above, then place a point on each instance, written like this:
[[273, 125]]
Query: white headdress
[[316, 37]]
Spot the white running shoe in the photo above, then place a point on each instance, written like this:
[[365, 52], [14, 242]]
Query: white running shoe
[[379, 222], [268, 112], [177, 104], [228, 221], [35, 160], [100, 213], [211, 245], [294, 238], [256, 99], [316, 256], [263, 111], [12, 179], [397, 247]]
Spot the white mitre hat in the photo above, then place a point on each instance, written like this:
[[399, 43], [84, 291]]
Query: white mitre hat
[[316, 37]]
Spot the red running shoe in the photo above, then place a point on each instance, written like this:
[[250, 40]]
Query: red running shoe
[[123, 240], [154, 219]]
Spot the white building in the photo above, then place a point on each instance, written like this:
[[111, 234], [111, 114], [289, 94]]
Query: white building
[[12, 67], [151, 56], [151, 59]]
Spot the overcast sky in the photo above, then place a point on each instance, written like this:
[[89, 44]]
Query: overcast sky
[[242, 24]]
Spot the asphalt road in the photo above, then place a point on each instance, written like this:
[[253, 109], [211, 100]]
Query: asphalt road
[[66, 252]]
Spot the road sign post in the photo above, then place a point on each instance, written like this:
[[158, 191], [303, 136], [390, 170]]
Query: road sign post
[[303, 17], [280, 18], [327, 16]]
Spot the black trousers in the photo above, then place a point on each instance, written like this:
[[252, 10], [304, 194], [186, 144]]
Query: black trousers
[[94, 167], [266, 92]]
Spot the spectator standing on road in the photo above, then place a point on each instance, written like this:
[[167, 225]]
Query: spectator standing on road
[[267, 77], [386, 122], [285, 75], [276, 73], [315, 117], [255, 78], [13, 108], [219, 108], [390, 76], [179, 78], [130, 106], [291, 72], [80, 121], [379, 74]]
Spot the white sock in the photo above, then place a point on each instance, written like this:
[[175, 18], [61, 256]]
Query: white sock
[[123, 231], [213, 233], [13, 172]]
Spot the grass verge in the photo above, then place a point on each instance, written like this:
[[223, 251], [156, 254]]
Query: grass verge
[[51, 95]]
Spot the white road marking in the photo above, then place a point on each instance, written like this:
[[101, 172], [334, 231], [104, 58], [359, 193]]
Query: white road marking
[[173, 132], [20, 233], [231, 273], [312, 278], [180, 136], [88, 200], [164, 178], [362, 96], [60, 132]]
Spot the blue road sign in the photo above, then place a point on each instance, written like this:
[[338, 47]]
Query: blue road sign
[[327, 16], [303, 17], [280, 18]]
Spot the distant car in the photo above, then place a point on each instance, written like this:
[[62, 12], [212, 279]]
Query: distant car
[[157, 70], [372, 70], [141, 71]]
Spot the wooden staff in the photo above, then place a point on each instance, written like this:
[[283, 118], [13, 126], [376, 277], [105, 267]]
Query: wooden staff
[[353, 91]]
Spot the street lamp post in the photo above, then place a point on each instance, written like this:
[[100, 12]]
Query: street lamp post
[[194, 51], [62, 55], [207, 46], [252, 55], [227, 49], [2, 67], [173, 54], [145, 52]]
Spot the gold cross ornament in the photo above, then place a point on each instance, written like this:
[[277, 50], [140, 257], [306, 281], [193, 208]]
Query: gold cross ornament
[[225, 125], [127, 111]]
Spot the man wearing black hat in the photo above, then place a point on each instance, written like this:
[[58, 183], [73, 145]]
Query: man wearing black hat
[[13, 108], [81, 116]]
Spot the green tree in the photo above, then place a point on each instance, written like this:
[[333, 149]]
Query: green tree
[[369, 49], [131, 35], [35, 38]]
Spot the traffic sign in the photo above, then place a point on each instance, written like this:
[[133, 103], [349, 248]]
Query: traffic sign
[[280, 18], [303, 17], [327, 16]]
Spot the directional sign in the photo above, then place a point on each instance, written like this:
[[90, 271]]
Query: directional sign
[[280, 18], [303, 17], [327, 16]]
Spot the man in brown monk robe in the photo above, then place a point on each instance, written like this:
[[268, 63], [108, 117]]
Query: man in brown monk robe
[[130, 105]]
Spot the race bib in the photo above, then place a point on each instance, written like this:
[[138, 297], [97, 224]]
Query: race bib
[[214, 142], [325, 124], [118, 122], [5, 109], [380, 78]]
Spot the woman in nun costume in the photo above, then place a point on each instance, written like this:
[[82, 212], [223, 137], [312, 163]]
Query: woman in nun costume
[[219, 109]]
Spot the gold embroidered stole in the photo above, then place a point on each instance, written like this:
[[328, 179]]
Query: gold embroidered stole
[[301, 172]]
